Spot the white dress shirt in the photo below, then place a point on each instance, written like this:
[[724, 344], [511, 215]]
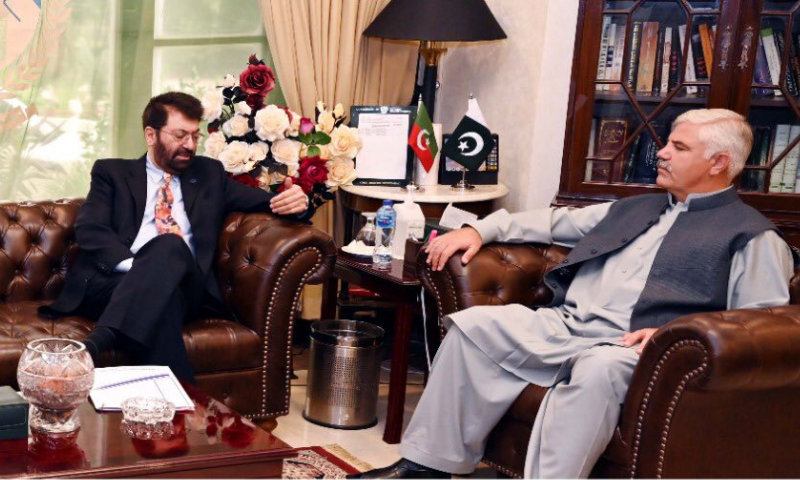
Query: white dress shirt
[[148, 230]]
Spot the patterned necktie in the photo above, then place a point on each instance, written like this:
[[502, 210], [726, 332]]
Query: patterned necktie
[[165, 223]]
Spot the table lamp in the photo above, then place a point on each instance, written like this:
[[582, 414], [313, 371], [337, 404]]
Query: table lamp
[[432, 23]]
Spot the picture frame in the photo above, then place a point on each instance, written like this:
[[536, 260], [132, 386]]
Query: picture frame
[[450, 172], [385, 158]]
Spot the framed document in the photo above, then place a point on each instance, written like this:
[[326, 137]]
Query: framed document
[[385, 157], [450, 171]]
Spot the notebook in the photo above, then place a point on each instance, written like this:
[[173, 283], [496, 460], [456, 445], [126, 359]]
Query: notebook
[[113, 385]]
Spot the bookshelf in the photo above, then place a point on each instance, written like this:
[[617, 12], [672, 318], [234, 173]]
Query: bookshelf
[[655, 59]]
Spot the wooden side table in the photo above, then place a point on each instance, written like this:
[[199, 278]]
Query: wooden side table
[[400, 285]]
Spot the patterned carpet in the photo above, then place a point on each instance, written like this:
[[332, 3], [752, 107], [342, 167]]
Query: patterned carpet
[[329, 461]]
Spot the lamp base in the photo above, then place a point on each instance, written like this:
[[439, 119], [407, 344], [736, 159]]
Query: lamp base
[[462, 186]]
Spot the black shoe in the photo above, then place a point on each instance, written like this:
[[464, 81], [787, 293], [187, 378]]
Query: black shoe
[[402, 469]]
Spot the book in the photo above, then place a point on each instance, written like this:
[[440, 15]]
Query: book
[[675, 60], [748, 180], [791, 80], [611, 135], [659, 63], [779, 144], [761, 73], [647, 58], [790, 167], [601, 62], [708, 49], [633, 60], [612, 43], [590, 153], [773, 59], [794, 64], [645, 168], [701, 69], [690, 76], [666, 62], [619, 56], [630, 163]]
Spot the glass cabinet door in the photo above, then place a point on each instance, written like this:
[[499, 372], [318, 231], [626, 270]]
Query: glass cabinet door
[[773, 99], [655, 62]]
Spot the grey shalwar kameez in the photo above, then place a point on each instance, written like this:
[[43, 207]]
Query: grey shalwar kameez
[[576, 348]]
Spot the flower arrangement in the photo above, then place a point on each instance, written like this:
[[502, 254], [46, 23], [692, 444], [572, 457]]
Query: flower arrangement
[[260, 144]]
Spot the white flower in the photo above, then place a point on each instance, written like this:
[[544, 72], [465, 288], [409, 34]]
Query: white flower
[[237, 126], [320, 106], [340, 172], [258, 151], [294, 126], [214, 144], [271, 123], [325, 122], [235, 158], [345, 143], [229, 81], [338, 110], [287, 151], [243, 108], [212, 105]]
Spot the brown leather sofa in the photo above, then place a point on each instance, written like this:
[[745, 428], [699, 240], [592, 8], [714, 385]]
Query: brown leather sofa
[[262, 264], [713, 395]]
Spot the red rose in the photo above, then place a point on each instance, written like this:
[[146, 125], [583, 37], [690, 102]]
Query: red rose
[[312, 171], [246, 179], [255, 102], [257, 80]]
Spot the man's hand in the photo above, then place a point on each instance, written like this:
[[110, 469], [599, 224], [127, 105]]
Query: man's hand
[[291, 200], [442, 248], [643, 336]]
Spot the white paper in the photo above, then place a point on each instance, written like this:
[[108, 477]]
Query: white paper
[[455, 217], [384, 153], [113, 385]]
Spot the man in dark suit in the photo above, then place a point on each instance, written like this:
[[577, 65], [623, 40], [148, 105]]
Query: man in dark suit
[[147, 235]]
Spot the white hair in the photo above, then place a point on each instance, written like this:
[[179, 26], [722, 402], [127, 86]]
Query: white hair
[[722, 131]]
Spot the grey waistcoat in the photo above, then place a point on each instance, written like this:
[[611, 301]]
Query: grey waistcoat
[[691, 269]]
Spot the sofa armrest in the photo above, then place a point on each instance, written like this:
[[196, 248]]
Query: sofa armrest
[[709, 387], [498, 274], [263, 262]]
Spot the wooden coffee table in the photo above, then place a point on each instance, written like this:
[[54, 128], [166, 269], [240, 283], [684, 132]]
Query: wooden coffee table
[[211, 442]]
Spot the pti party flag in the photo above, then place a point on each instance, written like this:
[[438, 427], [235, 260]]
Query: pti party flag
[[471, 141], [422, 139]]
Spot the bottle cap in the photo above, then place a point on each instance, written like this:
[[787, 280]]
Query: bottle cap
[[388, 202]]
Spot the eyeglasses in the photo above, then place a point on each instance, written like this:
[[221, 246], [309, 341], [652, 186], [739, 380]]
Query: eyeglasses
[[181, 135]]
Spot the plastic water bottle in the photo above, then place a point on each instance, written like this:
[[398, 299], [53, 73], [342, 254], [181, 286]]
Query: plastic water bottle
[[385, 222]]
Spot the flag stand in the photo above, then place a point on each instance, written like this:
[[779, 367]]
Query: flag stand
[[462, 184], [413, 185]]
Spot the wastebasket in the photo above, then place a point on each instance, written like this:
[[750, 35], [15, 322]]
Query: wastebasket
[[344, 374]]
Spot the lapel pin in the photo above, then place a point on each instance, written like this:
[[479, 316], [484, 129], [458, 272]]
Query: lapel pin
[[192, 180]]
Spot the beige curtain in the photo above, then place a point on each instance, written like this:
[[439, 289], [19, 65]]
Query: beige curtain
[[320, 54]]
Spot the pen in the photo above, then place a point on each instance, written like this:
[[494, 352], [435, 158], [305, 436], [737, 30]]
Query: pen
[[433, 235], [135, 380]]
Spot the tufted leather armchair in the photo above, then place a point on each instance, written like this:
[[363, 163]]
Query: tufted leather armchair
[[262, 264], [713, 395]]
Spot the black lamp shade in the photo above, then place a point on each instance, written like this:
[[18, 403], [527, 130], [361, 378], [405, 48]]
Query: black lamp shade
[[437, 21]]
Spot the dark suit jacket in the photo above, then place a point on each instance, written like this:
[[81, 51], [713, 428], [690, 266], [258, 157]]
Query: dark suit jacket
[[112, 215]]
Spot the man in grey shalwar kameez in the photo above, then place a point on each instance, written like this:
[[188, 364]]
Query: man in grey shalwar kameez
[[701, 249]]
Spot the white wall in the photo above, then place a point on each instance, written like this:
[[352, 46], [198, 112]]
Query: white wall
[[522, 86]]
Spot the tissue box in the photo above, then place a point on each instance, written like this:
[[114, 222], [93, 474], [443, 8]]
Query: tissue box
[[13, 415]]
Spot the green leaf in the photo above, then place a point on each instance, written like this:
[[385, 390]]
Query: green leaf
[[306, 138], [321, 138], [314, 151]]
